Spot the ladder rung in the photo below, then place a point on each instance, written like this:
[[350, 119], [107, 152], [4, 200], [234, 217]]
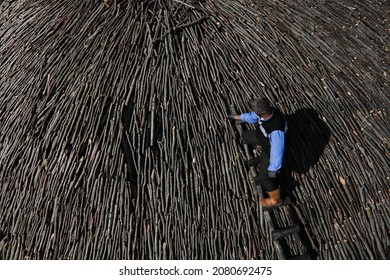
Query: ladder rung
[[300, 257], [283, 232]]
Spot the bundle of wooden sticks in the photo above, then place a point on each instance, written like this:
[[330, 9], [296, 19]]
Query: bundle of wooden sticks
[[114, 142]]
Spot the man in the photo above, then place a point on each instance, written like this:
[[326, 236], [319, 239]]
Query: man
[[270, 134]]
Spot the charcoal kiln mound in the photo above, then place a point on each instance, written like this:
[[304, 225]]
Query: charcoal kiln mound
[[114, 142]]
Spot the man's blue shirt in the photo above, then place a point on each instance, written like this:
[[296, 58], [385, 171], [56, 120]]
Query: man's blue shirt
[[276, 140], [251, 117]]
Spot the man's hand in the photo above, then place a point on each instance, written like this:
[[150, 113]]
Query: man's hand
[[231, 119], [272, 174]]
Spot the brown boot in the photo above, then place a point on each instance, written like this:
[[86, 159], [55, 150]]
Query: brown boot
[[273, 201]]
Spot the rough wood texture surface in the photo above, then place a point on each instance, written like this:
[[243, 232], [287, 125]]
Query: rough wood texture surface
[[114, 143]]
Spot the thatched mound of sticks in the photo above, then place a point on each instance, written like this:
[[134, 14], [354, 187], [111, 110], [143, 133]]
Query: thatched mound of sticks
[[114, 142]]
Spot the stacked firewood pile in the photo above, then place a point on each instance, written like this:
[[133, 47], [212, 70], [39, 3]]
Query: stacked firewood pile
[[114, 142]]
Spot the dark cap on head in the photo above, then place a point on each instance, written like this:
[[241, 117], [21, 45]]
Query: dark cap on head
[[260, 105]]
